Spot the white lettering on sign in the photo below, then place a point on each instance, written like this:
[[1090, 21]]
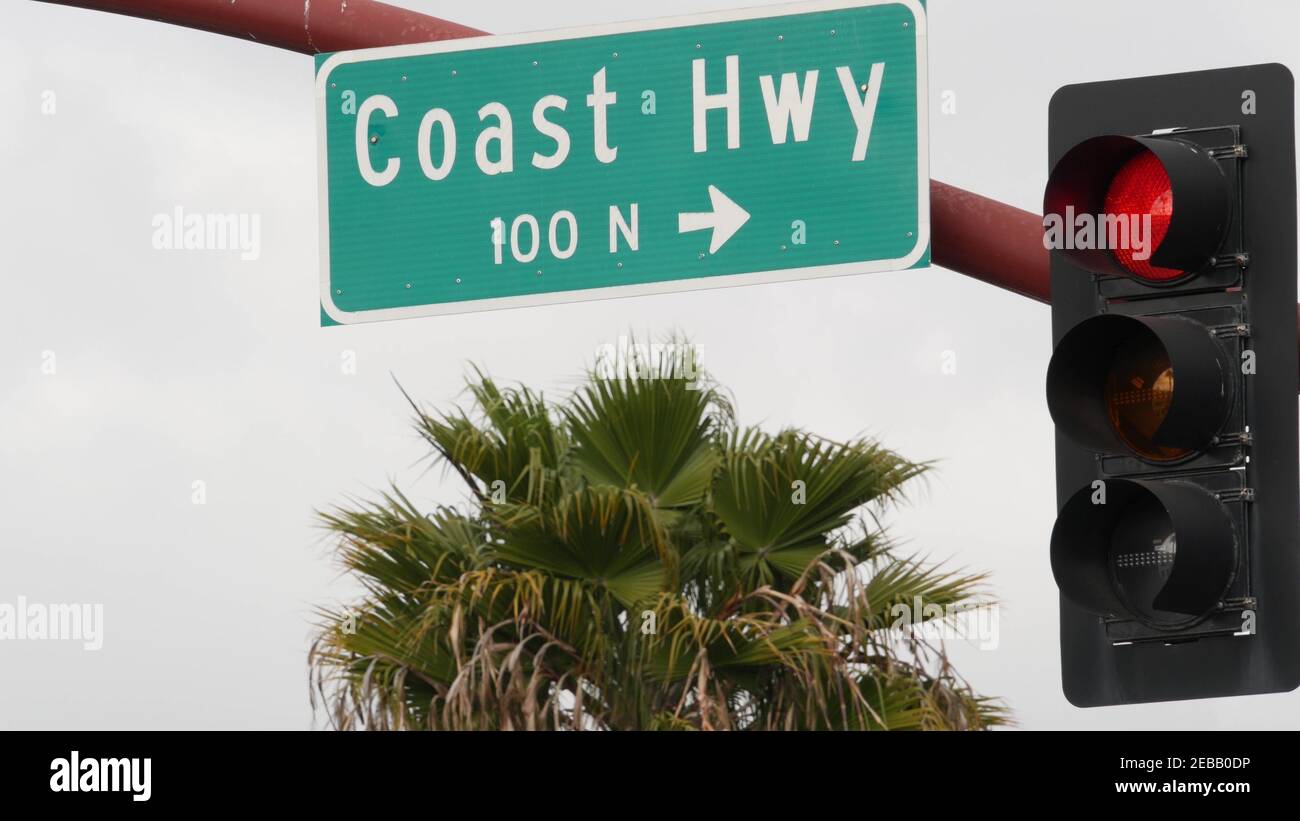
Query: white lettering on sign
[[702, 103], [863, 109], [503, 134], [527, 223], [440, 117], [598, 100], [534, 243], [790, 107], [386, 105], [553, 231], [618, 225], [549, 129], [498, 238]]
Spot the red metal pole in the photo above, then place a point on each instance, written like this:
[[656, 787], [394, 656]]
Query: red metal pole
[[297, 25], [989, 240]]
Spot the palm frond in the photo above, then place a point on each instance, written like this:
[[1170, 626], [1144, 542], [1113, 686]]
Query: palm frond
[[630, 559], [654, 435]]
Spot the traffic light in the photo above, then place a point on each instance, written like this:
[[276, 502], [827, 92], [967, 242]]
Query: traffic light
[[1170, 215]]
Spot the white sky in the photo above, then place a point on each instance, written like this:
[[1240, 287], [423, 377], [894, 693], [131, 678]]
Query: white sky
[[181, 366]]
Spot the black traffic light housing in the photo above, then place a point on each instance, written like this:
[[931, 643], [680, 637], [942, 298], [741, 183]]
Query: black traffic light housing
[[1173, 386], [1081, 177]]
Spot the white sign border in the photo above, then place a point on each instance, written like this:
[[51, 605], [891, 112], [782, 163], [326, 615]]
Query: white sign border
[[641, 289]]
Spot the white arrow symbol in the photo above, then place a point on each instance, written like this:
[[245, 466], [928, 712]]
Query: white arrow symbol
[[725, 219]]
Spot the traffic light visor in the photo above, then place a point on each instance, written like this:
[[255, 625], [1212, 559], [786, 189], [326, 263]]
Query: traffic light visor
[[1163, 553], [1152, 208], [1159, 388]]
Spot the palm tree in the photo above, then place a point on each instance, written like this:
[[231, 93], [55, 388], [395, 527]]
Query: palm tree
[[631, 559]]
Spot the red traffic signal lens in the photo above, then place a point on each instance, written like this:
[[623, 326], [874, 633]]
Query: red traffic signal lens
[[1109, 208], [1141, 193]]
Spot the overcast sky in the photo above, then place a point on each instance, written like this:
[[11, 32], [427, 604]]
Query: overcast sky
[[172, 367]]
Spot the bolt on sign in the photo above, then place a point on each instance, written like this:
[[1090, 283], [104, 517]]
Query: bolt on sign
[[722, 149]]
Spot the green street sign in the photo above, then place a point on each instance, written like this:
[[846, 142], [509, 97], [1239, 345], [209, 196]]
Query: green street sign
[[723, 149]]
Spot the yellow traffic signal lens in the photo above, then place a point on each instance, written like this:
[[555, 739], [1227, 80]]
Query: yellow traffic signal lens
[[1139, 392]]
